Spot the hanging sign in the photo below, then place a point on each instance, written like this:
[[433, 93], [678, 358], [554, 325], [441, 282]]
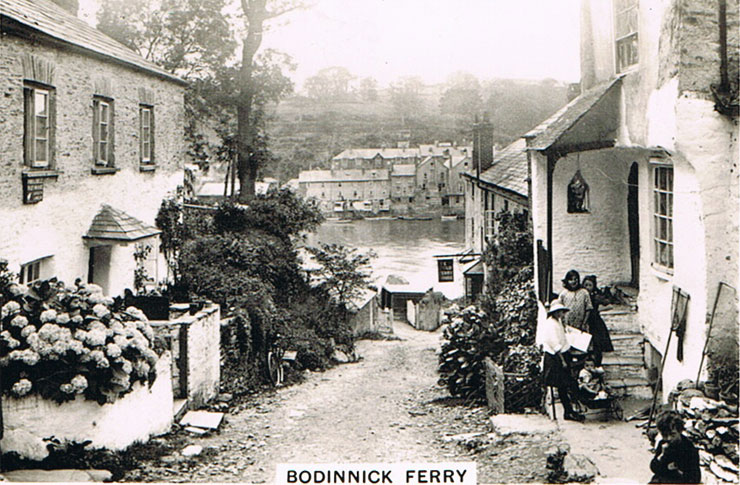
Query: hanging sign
[[445, 270]]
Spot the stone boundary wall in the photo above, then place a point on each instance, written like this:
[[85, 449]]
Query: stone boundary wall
[[135, 417]]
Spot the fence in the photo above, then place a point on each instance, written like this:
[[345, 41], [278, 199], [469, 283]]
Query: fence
[[512, 392]]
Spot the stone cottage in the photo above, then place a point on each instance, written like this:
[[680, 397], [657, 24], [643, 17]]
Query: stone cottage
[[636, 180], [92, 140]]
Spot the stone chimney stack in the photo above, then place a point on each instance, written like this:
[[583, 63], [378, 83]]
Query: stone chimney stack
[[482, 144]]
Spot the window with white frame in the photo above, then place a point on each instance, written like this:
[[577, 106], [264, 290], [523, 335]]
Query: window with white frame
[[490, 222], [146, 134], [625, 33], [103, 131], [663, 215], [33, 270], [39, 125]]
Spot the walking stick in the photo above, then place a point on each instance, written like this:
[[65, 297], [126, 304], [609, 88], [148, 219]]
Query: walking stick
[[709, 332]]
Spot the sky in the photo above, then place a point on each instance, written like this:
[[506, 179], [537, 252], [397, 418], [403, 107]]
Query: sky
[[388, 39]]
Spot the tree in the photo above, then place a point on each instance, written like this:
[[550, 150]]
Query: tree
[[369, 89], [462, 95], [330, 83], [255, 14], [189, 38], [406, 97], [343, 272]]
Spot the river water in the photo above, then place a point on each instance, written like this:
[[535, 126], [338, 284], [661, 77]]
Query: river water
[[403, 248]]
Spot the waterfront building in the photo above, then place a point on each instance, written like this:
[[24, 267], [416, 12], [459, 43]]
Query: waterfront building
[[92, 141], [364, 190]]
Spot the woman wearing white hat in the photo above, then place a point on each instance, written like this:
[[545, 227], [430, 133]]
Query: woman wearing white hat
[[551, 337]]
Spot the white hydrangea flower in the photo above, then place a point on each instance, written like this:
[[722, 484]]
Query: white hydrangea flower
[[33, 340], [60, 347], [77, 319], [96, 299], [113, 350], [49, 315], [17, 290], [141, 369], [63, 318], [136, 313], [77, 347], [13, 343], [27, 331], [19, 321], [100, 310], [97, 325], [49, 332], [150, 356], [10, 308], [96, 338], [21, 388], [117, 327], [67, 388], [79, 382], [126, 366]]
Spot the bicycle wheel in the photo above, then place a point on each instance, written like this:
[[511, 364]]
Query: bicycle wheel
[[274, 372], [617, 410]]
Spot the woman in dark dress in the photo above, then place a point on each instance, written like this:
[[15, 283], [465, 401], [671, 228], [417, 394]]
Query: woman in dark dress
[[600, 339]]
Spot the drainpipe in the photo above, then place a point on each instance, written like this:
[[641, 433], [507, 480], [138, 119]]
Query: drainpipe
[[550, 169], [724, 79]]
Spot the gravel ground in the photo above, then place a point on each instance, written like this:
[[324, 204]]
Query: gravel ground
[[385, 408]]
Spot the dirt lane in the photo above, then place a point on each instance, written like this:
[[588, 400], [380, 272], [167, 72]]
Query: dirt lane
[[385, 408]]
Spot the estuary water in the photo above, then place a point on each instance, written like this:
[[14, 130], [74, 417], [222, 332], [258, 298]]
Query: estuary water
[[402, 248]]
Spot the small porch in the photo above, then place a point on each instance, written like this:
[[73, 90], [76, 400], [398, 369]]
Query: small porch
[[588, 197]]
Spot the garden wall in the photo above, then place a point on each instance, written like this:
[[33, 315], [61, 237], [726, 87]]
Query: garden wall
[[142, 413]]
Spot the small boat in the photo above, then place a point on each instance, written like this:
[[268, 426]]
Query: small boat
[[452, 217]]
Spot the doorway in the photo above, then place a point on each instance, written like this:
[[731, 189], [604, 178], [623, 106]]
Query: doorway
[[98, 271], [633, 223]]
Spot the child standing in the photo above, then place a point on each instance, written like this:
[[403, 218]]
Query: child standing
[[676, 459]]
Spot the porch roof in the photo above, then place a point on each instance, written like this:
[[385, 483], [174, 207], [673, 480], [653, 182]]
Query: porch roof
[[113, 224], [589, 121]]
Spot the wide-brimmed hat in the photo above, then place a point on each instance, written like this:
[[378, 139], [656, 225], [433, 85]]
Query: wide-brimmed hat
[[557, 306]]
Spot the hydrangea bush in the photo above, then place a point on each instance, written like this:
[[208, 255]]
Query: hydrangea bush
[[59, 342]]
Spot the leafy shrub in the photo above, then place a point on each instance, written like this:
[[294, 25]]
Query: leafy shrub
[[59, 342]]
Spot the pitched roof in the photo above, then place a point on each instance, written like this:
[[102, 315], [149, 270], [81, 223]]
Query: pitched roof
[[440, 149], [510, 169], [599, 119], [369, 153], [456, 160], [351, 175], [403, 170], [52, 20], [113, 224]]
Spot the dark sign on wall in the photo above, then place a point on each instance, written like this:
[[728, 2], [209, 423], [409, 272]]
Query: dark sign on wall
[[445, 270], [33, 190]]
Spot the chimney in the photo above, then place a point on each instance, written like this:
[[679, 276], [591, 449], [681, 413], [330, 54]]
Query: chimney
[[482, 144]]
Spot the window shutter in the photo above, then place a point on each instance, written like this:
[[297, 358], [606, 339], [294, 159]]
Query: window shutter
[[141, 134], [96, 130], [52, 127], [111, 134], [28, 125], [152, 159]]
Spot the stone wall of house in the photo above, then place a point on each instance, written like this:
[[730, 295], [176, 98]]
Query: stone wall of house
[[55, 225], [135, 417], [365, 319], [595, 242]]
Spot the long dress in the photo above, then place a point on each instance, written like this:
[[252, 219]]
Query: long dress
[[597, 328], [579, 302]]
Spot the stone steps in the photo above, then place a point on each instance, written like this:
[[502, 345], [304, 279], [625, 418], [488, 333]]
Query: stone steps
[[624, 368]]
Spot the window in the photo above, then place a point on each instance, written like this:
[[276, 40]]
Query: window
[[490, 223], [32, 271], [103, 131], [625, 30], [39, 125], [663, 215], [146, 135]]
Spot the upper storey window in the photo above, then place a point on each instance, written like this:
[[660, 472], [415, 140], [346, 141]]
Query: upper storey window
[[625, 29]]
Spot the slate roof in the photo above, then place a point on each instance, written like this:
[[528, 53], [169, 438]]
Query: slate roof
[[116, 225], [455, 160], [509, 170], [439, 150], [351, 175], [403, 170], [549, 131], [52, 20], [369, 153]]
